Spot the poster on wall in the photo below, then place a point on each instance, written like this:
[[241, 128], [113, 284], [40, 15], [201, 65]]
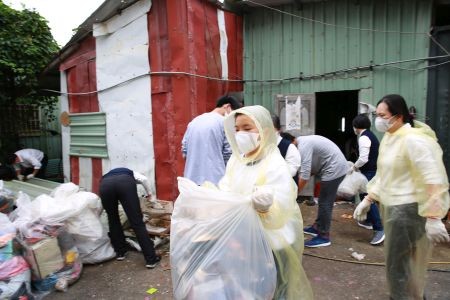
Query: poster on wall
[[298, 110], [293, 115]]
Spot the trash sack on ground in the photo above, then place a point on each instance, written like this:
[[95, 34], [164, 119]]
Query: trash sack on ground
[[16, 286], [78, 211], [54, 259], [353, 184], [14, 270], [7, 199], [218, 247]]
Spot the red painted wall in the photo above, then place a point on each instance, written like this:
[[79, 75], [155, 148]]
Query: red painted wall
[[184, 36], [81, 77]]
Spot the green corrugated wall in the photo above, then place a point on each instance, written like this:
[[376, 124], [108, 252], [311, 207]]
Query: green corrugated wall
[[48, 140], [277, 45]]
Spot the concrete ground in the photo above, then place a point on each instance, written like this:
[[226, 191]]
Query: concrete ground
[[333, 273]]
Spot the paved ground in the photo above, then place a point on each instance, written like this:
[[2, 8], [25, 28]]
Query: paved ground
[[330, 278]]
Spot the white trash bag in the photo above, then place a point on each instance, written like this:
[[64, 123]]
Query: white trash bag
[[218, 248], [353, 184]]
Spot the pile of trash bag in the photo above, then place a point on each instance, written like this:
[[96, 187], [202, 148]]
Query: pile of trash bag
[[78, 211], [7, 199], [15, 274]]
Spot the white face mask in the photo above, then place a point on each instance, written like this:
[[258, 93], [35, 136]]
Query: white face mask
[[247, 141], [383, 125]]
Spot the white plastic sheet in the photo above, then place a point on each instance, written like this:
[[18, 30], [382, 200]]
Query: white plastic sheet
[[218, 248]]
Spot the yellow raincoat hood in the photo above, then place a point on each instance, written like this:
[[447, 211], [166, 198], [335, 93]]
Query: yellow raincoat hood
[[263, 121]]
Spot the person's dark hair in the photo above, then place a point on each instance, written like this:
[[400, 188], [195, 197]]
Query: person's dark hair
[[276, 122], [234, 103], [288, 136], [10, 158], [397, 106], [361, 122]]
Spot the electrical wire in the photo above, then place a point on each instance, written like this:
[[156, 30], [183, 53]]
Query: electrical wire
[[330, 24], [300, 77], [373, 263], [422, 68], [349, 27]]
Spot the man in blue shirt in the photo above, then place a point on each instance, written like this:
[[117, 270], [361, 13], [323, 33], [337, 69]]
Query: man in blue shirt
[[205, 146]]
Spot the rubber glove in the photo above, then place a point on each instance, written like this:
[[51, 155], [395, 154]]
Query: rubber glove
[[20, 177], [362, 209], [30, 176], [262, 199], [436, 231]]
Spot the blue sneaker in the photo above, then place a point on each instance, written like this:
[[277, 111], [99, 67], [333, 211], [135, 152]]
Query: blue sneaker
[[378, 237], [318, 241], [365, 224], [310, 230]]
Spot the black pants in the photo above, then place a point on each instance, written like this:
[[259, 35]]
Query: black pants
[[123, 188], [407, 251], [327, 196]]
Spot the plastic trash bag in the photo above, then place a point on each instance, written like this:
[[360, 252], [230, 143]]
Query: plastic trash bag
[[14, 271], [218, 248], [7, 199], [353, 184], [79, 212]]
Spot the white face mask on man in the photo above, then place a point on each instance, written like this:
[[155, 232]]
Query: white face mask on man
[[383, 125], [247, 141]]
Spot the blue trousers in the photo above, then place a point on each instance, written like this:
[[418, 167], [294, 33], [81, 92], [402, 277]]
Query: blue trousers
[[373, 216]]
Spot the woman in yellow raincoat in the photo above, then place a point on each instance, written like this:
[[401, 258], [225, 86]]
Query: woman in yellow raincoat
[[257, 168], [412, 186]]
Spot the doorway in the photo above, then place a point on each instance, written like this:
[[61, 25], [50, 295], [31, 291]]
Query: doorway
[[334, 115]]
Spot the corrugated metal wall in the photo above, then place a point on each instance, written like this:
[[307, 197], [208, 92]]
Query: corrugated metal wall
[[184, 36], [278, 45], [49, 139], [88, 135]]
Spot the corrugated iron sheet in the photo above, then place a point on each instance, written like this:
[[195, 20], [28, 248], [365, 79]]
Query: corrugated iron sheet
[[278, 45], [33, 187], [88, 135], [184, 36]]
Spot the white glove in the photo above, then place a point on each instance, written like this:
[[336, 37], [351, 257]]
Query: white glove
[[362, 209], [436, 231], [262, 199], [20, 177], [30, 176]]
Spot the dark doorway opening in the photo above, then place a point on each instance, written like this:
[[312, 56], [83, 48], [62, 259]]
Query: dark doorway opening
[[334, 115]]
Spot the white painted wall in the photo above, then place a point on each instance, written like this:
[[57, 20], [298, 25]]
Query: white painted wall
[[122, 54], [65, 131]]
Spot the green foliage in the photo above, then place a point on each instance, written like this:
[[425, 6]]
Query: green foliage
[[26, 47]]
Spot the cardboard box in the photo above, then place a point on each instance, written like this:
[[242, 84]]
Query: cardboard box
[[44, 257]]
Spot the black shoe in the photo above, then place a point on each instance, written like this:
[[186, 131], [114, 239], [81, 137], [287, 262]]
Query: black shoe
[[300, 199], [152, 264], [121, 256], [310, 202]]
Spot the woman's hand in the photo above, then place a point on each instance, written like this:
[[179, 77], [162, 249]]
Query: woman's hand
[[436, 231], [362, 209], [262, 199]]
